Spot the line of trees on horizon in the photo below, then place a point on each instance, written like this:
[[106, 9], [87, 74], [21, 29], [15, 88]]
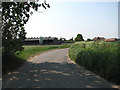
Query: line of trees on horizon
[[79, 37]]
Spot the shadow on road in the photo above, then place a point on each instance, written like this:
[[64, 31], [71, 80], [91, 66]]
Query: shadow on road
[[53, 75]]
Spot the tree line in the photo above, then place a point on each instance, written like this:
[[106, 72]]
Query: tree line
[[79, 37], [14, 16]]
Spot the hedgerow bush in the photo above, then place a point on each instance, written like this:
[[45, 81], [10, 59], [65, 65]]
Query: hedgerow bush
[[101, 58]]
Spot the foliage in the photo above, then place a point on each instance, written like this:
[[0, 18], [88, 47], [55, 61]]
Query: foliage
[[99, 57], [71, 39], [79, 37], [68, 41], [14, 16], [89, 39], [64, 39]]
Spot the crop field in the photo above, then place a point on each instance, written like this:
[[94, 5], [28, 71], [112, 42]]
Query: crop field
[[101, 58]]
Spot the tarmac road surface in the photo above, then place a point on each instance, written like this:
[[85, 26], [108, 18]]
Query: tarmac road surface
[[53, 69]]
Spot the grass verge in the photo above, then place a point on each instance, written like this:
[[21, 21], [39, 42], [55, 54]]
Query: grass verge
[[101, 58], [12, 62]]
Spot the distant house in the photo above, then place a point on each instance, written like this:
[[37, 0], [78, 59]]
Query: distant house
[[111, 40], [98, 38], [43, 41]]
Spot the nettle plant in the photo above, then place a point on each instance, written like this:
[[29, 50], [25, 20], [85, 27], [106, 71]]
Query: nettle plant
[[14, 16]]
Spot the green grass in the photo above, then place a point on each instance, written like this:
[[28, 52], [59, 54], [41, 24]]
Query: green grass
[[12, 62], [98, 57], [30, 51]]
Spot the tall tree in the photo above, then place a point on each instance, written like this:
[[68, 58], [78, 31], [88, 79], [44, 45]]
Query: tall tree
[[14, 16], [79, 37], [88, 39], [71, 39]]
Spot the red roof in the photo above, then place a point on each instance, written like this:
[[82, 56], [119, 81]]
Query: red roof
[[113, 39], [99, 38]]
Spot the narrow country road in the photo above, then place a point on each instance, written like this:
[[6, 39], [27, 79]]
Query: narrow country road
[[53, 69]]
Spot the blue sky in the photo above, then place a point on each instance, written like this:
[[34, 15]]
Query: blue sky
[[67, 19]]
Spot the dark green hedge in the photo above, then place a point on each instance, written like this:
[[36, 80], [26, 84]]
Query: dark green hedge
[[101, 58]]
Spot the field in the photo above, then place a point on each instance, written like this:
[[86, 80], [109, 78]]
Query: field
[[30, 51], [101, 58], [14, 61]]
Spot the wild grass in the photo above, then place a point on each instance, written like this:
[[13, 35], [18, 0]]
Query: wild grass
[[12, 62], [101, 58]]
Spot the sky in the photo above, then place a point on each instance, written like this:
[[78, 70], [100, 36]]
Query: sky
[[66, 19]]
